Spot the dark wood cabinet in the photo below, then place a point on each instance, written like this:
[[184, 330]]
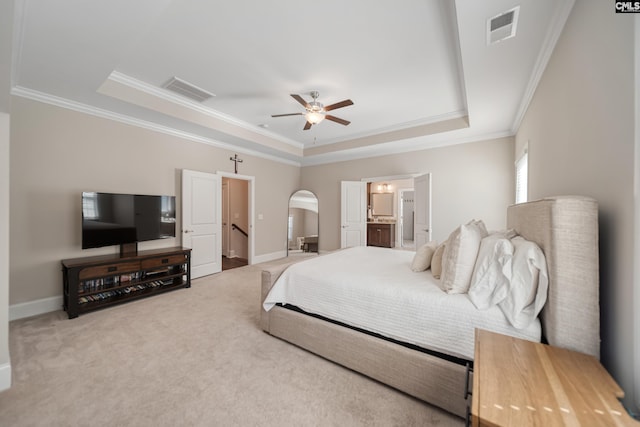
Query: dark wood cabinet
[[381, 234], [96, 282]]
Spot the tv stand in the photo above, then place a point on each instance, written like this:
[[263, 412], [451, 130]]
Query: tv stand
[[96, 282], [128, 249]]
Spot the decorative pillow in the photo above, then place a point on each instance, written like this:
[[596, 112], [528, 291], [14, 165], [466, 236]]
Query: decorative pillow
[[459, 256], [436, 261], [529, 283], [492, 272], [422, 258]]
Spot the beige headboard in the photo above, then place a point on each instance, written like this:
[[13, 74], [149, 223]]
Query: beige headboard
[[566, 228]]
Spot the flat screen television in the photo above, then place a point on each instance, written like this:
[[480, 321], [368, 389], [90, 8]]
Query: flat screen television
[[120, 219]]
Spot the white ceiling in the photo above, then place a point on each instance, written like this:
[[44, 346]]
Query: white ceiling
[[419, 72]]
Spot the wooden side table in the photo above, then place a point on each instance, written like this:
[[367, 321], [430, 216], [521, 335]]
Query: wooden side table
[[522, 383]]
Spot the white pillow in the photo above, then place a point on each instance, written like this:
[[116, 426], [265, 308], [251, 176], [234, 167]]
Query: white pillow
[[436, 261], [422, 258], [492, 272], [459, 256], [529, 284]]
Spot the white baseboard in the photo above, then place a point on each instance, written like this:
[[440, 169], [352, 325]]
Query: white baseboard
[[33, 308], [268, 257], [5, 376]]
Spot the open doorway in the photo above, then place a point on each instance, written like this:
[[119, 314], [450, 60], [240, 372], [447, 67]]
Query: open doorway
[[235, 222], [387, 209], [202, 219], [369, 211]]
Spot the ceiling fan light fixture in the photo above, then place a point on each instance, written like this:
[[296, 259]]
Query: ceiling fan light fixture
[[316, 112], [314, 117]]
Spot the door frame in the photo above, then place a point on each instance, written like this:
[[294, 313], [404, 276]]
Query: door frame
[[251, 208], [393, 178]]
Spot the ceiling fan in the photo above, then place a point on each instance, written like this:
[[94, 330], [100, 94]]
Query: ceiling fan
[[316, 112]]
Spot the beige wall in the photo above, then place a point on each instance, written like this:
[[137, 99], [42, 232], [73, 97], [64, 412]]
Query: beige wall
[[580, 129], [57, 153], [473, 180]]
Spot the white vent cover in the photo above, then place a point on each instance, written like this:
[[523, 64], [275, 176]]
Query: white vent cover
[[187, 89], [502, 26]]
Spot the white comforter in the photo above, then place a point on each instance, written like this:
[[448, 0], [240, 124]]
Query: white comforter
[[374, 289]]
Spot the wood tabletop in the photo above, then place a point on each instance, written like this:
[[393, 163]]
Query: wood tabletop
[[522, 383]]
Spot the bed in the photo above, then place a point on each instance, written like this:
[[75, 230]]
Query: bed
[[565, 228]]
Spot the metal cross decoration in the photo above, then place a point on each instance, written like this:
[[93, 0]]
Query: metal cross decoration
[[236, 160]]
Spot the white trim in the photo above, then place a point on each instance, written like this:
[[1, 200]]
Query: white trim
[[252, 203], [34, 308], [548, 45], [269, 257], [5, 376], [392, 177], [105, 114]]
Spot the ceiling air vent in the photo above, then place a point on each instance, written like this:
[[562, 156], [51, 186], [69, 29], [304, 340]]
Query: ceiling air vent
[[502, 26], [183, 88]]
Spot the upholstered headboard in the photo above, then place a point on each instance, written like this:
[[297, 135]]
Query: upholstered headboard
[[566, 228]]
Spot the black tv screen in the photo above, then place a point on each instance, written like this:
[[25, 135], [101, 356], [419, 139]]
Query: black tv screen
[[115, 219]]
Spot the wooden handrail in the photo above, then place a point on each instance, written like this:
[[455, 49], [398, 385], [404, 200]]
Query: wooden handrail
[[235, 227]]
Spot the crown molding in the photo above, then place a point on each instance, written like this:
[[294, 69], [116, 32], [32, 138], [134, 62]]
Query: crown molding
[[106, 114]]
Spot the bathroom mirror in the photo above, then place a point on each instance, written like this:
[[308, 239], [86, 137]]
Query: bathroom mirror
[[302, 226], [382, 204]]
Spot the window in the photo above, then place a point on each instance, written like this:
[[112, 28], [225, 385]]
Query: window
[[290, 228], [522, 175]]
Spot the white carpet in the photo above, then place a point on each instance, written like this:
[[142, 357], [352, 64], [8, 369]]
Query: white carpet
[[192, 357]]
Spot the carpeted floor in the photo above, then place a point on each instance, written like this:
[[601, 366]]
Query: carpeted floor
[[192, 357]]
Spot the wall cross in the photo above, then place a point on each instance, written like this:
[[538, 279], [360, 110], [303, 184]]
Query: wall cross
[[236, 160]]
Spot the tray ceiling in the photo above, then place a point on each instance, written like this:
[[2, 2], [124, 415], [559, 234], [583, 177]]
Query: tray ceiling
[[420, 73]]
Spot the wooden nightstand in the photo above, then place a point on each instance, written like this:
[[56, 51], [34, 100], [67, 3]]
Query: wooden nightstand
[[521, 383]]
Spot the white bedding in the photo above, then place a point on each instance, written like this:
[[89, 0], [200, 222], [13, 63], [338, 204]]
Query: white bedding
[[374, 289]]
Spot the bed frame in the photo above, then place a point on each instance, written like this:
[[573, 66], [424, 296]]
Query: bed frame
[[566, 228]]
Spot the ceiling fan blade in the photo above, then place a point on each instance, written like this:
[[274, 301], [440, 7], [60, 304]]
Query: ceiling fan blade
[[289, 114], [307, 126], [341, 104], [301, 101], [337, 119]]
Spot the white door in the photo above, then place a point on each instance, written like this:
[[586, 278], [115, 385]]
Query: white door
[[353, 215], [201, 221], [422, 209]]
